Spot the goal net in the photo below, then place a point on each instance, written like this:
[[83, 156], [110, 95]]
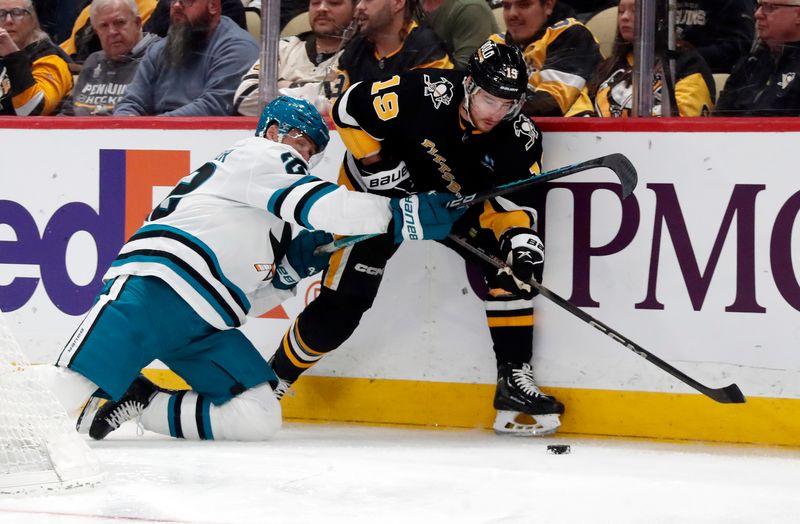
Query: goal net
[[40, 450]]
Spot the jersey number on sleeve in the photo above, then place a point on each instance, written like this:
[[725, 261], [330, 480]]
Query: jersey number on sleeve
[[385, 105], [293, 165], [185, 186]]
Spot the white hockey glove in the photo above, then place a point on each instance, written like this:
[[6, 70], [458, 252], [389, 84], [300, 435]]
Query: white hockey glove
[[423, 216], [300, 260], [524, 254]]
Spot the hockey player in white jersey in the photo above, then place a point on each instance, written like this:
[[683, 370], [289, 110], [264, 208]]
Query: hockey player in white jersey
[[217, 249]]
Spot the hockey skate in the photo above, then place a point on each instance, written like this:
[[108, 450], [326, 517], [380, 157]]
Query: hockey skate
[[522, 409], [112, 414]]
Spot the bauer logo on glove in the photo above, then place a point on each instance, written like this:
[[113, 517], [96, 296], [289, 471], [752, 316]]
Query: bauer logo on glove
[[423, 216]]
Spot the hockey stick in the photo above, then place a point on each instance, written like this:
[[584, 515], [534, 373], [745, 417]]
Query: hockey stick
[[616, 162], [728, 395]]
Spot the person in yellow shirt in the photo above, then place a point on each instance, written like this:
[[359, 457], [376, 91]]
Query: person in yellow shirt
[[34, 75], [561, 54], [612, 89]]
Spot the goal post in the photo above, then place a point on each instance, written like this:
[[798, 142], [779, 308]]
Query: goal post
[[40, 450]]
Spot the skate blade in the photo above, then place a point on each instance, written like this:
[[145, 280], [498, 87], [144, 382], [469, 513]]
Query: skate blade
[[524, 425], [86, 417]]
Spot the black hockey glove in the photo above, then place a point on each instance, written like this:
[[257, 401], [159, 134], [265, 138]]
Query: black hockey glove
[[524, 254], [300, 261], [423, 216]]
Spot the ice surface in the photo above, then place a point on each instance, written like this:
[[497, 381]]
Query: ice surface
[[357, 474]]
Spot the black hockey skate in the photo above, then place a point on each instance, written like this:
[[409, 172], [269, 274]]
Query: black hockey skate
[[112, 414], [280, 387], [518, 398]]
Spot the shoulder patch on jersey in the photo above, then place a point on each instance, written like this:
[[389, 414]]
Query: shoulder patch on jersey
[[524, 126], [441, 91]]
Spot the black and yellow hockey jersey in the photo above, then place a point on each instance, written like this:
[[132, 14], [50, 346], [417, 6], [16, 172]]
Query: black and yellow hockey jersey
[[414, 117], [561, 59], [694, 88], [421, 48], [34, 80]]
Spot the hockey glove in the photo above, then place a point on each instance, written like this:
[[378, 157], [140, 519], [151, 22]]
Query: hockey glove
[[524, 254], [300, 261], [423, 216]]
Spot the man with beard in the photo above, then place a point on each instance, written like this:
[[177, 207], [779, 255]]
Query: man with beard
[[390, 41], [305, 60], [195, 70]]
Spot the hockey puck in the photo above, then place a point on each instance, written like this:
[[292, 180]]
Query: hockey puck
[[558, 449]]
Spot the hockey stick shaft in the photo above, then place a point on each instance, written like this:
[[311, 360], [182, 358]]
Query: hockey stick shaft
[[727, 395], [616, 162]]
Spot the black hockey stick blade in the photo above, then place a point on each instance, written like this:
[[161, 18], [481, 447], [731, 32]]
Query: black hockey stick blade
[[727, 395], [616, 162]]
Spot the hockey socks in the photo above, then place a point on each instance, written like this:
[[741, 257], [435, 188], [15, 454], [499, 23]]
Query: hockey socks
[[253, 415]]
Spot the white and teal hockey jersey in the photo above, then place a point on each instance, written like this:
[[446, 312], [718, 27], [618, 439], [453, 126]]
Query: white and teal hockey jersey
[[216, 238]]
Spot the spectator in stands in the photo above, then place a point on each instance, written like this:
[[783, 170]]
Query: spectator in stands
[[721, 30], [84, 41], [305, 61], [195, 70], [612, 87], [390, 41], [158, 24], [767, 82], [34, 75], [107, 73], [562, 55], [463, 25]]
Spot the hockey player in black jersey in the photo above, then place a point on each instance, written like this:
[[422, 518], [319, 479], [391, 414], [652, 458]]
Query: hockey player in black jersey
[[474, 139]]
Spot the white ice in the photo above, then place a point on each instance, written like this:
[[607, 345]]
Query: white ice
[[325, 473]]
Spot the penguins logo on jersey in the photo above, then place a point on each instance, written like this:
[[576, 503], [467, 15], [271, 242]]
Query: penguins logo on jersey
[[441, 92], [523, 126]]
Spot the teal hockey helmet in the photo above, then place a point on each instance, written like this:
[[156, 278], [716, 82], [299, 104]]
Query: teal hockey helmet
[[294, 113]]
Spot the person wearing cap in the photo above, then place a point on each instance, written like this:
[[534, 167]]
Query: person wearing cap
[[767, 81], [454, 132]]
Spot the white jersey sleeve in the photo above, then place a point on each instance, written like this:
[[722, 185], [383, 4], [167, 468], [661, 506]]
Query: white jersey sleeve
[[217, 237], [272, 176]]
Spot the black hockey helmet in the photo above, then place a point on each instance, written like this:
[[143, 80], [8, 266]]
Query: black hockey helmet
[[499, 69]]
